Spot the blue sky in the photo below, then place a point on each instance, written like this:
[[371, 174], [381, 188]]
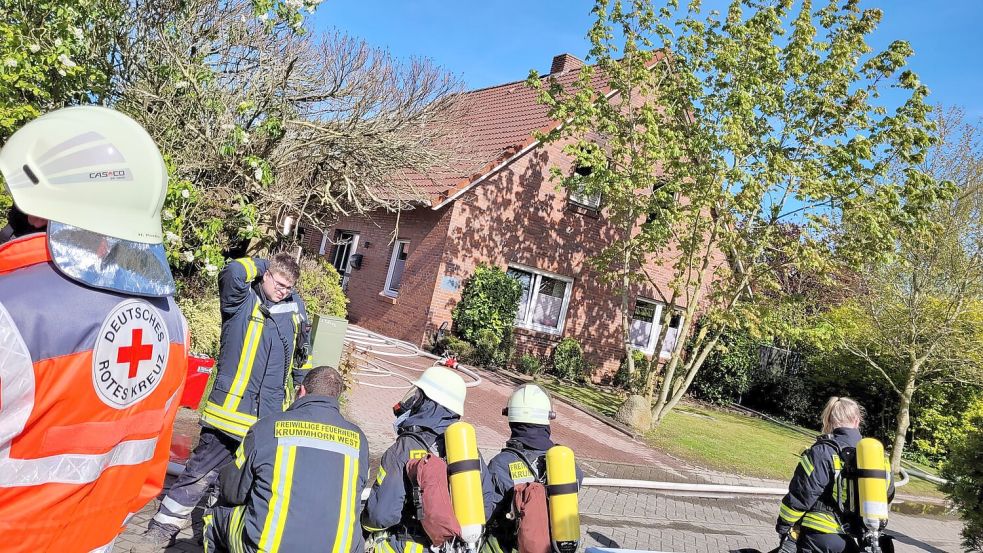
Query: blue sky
[[496, 41]]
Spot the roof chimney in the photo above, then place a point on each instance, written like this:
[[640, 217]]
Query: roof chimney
[[565, 62]]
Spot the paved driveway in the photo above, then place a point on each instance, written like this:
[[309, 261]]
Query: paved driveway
[[611, 517]]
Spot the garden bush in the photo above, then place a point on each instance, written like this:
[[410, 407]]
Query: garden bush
[[964, 472], [567, 360], [489, 301], [200, 304], [529, 364], [633, 383], [320, 286], [726, 373], [452, 346]]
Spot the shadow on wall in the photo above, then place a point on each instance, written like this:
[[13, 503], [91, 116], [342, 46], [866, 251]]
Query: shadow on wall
[[519, 217]]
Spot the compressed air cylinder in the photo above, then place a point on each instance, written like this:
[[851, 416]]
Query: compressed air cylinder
[[561, 480], [464, 474], [872, 479]]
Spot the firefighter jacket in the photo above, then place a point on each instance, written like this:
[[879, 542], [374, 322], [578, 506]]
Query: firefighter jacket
[[390, 504], [264, 350], [815, 489], [299, 476], [516, 464], [90, 382]]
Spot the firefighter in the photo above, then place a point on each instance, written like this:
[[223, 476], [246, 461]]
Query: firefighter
[[264, 335], [523, 460], [435, 402], [817, 490], [95, 348], [297, 479]]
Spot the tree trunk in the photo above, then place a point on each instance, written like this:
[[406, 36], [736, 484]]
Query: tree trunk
[[904, 420]]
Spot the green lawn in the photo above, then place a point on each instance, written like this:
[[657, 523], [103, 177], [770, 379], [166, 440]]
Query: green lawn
[[596, 399], [729, 442], [722, 440]]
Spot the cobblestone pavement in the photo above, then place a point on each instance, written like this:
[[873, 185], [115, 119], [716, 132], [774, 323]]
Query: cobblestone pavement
[[611, 517]]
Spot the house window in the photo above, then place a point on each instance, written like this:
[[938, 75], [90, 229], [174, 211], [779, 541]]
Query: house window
[[346, 242], [579, 197], [644, 332], [544, 301], [396, 265]]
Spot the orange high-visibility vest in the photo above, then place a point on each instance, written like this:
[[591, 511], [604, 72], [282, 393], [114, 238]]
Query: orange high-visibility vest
[[90, 382]]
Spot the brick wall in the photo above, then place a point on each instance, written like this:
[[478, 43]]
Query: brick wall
[[519, 216], [405, 317]]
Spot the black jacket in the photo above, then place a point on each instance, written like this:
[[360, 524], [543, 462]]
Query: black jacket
[[262, 345], [300, 474], [811, 497]]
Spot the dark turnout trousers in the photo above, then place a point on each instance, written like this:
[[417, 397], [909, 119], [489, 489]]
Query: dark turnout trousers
[[214, 450]]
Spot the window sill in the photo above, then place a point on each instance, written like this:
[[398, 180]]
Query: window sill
[[530, 329], [664, 356], [387, 298], [592, 212]]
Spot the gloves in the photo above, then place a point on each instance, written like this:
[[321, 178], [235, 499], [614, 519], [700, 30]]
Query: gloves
[[788, 545]]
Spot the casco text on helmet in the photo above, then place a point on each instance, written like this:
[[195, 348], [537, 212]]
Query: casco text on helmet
[[444, 386], [89, 167]]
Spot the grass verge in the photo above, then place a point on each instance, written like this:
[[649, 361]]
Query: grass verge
[[722, 440], [601, 401]]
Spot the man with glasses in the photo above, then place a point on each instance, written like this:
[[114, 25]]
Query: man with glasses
[[264, 351]]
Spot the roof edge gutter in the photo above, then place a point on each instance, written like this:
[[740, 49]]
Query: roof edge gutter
[[487, 174], [608, 94]]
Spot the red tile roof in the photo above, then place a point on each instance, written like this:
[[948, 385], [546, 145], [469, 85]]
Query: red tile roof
[[500, 121]]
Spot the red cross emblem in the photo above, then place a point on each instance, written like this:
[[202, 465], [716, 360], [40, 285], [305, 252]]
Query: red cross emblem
[[135, 352]]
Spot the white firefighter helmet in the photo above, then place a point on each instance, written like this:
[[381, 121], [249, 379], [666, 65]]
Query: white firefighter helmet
[[444, 386], [99, 179], [529, 404]]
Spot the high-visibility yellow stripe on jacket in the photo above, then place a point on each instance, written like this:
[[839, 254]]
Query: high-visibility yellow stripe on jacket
[[821, 522], [305, 469], [257, 348]]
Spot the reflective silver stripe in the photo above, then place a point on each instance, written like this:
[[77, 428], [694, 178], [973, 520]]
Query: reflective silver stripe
[[73, 468], [106, 548], [16, 385], [17, 390], [290, 307], [325, 445], [175, 507], [169, 520], [523, 480]]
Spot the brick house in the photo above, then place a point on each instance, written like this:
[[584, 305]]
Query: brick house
[[510, 215]]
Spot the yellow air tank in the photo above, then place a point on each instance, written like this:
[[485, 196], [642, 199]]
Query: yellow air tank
[[561, 480], [464, 473], [872, 479]]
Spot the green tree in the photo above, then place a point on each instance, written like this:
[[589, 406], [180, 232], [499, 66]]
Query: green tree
[[53, 53], [258, 117], [919, 320], [713, 131]]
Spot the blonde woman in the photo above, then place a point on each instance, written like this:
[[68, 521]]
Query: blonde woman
[[813, 494]]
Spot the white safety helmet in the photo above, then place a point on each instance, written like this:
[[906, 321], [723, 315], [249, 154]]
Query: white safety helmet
[[443, 386], [99, 179], [529, 404]]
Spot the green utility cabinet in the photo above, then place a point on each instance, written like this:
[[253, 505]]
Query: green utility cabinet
[[328, 339]]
